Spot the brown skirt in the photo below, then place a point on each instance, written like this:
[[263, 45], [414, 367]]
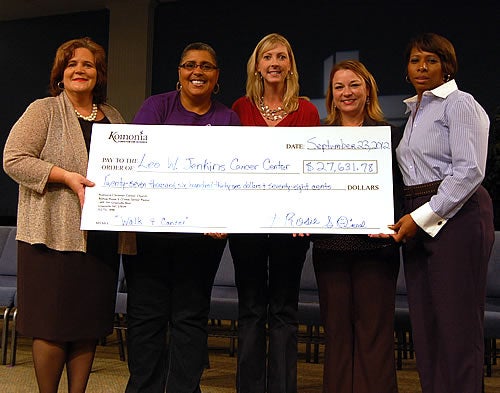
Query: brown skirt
[[67, 296]]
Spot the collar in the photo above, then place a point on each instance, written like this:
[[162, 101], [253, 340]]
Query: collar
[[441, 91]]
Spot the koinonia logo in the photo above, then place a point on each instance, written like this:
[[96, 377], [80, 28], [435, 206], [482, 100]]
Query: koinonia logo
[[133, 137]]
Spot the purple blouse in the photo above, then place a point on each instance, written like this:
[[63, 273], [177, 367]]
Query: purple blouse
[[166, 108]]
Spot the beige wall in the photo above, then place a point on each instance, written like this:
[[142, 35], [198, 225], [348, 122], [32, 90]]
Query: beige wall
[[129, 54]]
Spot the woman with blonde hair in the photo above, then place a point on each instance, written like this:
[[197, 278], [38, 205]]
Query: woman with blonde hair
[[268, 267]]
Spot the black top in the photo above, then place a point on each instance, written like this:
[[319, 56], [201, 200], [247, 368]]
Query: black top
[[362, 242], [87, 129]]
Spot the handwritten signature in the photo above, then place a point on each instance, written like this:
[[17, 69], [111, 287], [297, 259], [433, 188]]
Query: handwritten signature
[[293, 220]]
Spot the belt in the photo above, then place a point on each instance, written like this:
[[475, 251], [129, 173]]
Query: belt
[[421, 189]]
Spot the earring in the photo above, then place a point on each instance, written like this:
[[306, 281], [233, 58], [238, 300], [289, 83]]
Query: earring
[[60, 85], [216, 89], [178, 86], [447, 78], [407, 79], [367, 100]]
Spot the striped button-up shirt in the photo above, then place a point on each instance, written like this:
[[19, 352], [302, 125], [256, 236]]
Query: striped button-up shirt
[[445, 138]]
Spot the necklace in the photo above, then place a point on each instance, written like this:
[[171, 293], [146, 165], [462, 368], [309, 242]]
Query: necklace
[[271, 114], [90, 117], [354, 125]]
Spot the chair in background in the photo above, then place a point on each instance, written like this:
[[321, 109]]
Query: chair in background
[[13, 339], [402, 325], [224, 302], [308, 309], [492, 308], [121, 311], [224, 306], [8, 282]]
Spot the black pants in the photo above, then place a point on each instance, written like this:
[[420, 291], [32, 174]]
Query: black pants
[[169, 285], [267, 272]]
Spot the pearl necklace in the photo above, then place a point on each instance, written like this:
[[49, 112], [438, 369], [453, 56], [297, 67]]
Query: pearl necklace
[[90, 117], [271, 114]]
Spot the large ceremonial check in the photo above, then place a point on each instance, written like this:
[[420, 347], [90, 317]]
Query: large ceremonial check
[[163, 178]]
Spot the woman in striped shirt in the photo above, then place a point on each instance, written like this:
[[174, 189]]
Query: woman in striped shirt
[[448, 229]]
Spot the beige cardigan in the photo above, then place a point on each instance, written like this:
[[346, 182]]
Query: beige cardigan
[[48, 134]]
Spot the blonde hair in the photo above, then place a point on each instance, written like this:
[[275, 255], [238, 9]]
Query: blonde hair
[[372, 108], [255, 84]]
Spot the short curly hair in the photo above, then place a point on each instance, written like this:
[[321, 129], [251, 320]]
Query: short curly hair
[[441, 46]]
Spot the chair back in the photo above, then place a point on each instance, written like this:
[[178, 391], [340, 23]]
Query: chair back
[[122, 285], [225, 273], [308, 278], [401, 283], [8, 251]]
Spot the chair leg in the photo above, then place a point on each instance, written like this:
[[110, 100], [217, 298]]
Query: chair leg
[[399, 349], [494, 351], [316, 334], [119, 336], [121, 345], [405, 344], [487, 355], [13, 343], [410, 344], [309, 332], [232, 340], [6, 316]]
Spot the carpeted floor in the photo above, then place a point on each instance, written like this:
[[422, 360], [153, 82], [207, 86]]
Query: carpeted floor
[[109, 374]]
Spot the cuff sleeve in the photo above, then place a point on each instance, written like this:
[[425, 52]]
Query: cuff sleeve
[[426, 219]]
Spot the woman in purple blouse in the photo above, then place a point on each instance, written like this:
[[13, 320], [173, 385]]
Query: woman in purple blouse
[[170, 280]]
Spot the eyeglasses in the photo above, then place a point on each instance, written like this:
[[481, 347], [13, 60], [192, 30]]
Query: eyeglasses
[[191, 66]]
